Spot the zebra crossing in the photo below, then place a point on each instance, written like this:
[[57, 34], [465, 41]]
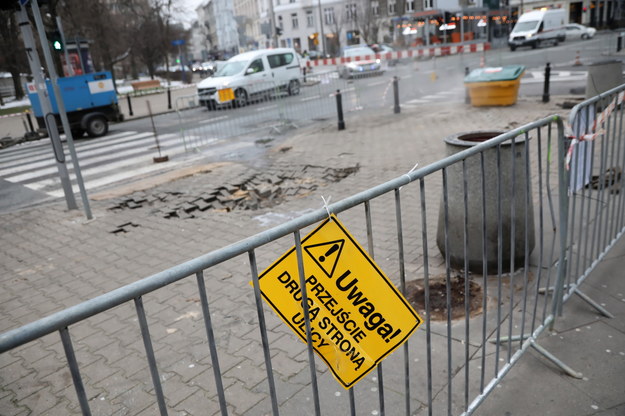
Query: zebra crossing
[[117, 157]]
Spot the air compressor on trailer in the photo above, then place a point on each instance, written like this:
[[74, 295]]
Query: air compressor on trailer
[[90, 102]]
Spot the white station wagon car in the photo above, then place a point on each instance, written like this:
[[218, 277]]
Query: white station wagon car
[[577, 31], [251, 75]]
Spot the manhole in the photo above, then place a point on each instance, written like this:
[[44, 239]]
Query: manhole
[[415, 293]]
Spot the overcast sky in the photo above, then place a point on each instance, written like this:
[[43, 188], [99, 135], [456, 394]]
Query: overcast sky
[[187, 14]]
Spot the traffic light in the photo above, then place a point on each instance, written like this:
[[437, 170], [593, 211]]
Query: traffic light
[[278, 31], [57, 41]]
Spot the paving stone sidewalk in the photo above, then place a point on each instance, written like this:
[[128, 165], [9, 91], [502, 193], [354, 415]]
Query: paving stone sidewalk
[[51, 259]]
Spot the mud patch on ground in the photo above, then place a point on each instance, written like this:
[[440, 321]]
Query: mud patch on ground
[[415, 294]]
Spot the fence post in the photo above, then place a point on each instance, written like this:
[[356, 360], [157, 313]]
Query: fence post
[[30, 121], [168, 98], [396, 109], [467, 99], [304, 74], [546, 86], [339, 110], [130, 113]]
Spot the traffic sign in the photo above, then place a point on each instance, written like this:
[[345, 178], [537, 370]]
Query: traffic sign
[[357, 316], [177, 42]]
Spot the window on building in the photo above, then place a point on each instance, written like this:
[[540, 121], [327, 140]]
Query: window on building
[[392, 6], [428, 4], [329, 15], [350, 11], [294, 20], [280, 22], [410, 5], [375, 8], [310, 19]]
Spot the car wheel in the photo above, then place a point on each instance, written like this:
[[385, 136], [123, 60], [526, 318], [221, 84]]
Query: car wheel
[[535, 44], [293, 87], [97, 126], [512, 48], [240, 98], [584, 36]]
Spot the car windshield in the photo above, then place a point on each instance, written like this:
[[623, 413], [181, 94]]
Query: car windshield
[[230, 68], [358, 52], [525, 26]]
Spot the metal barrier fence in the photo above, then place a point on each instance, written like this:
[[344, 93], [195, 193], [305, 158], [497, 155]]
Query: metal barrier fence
[[272, 109], [502, 215], [596, 158]]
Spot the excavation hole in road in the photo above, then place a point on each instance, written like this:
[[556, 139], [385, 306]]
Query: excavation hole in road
[[258, 190], [415, 294]]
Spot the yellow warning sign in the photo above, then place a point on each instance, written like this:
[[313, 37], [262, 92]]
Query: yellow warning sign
[[357, 316], [225, 95]]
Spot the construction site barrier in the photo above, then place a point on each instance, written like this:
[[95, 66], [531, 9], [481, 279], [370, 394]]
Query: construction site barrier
[[476, 326]]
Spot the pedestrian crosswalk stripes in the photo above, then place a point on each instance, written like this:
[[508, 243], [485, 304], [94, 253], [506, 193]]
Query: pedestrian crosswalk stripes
[[43, 159], [105, 161]]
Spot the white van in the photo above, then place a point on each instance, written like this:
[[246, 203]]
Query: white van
[[251, 75], [537, 27]]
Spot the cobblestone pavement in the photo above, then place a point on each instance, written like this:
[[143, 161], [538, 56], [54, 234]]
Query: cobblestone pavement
[[51, 259]]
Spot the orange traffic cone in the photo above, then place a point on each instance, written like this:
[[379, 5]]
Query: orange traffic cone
[[578, 62]]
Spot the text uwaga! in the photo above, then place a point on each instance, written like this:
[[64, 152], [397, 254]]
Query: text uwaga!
[[343, 322]]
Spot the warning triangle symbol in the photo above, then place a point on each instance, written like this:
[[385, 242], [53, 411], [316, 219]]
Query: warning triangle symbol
[[326, 255]]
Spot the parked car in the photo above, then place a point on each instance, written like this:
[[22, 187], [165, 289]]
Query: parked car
[[210, 67], [381, 48], [360, 67], [577, 31], [251, 75]]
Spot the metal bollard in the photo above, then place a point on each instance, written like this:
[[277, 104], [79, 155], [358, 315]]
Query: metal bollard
[[129, 105], [467, 98], [619, 42], [396, 109], [546, 86], [168, 98], [30, 121], [339, 109], [304, 74]]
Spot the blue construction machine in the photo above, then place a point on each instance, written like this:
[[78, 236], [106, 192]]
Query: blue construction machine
[[90, 102]]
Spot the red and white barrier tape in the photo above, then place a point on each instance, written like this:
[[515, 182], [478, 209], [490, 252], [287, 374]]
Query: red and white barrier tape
[[21, 113], [595, 130], [410, 53]]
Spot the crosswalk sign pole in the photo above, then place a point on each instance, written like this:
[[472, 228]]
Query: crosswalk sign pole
[[61, 107], [46, 107]]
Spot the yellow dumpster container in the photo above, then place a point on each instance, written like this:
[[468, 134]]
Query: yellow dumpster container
[[494, 86]]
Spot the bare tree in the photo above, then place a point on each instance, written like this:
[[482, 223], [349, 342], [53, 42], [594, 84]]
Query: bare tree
[[103, 23], [13, 56], [368, 21]]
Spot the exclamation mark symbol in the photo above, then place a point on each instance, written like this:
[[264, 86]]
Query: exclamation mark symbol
[[392, 336], [329, 252]]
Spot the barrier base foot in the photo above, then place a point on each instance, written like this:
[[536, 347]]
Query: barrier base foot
[[568, 370], [603, 311]]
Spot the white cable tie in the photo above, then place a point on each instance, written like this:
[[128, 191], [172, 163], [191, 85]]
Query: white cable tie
[[325, 204], [408, 176]]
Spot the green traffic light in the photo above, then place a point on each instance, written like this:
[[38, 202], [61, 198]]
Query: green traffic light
[[57, 45]]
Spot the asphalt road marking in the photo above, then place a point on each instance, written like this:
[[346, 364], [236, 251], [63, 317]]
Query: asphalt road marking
[[314, 97], [214, 119]]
